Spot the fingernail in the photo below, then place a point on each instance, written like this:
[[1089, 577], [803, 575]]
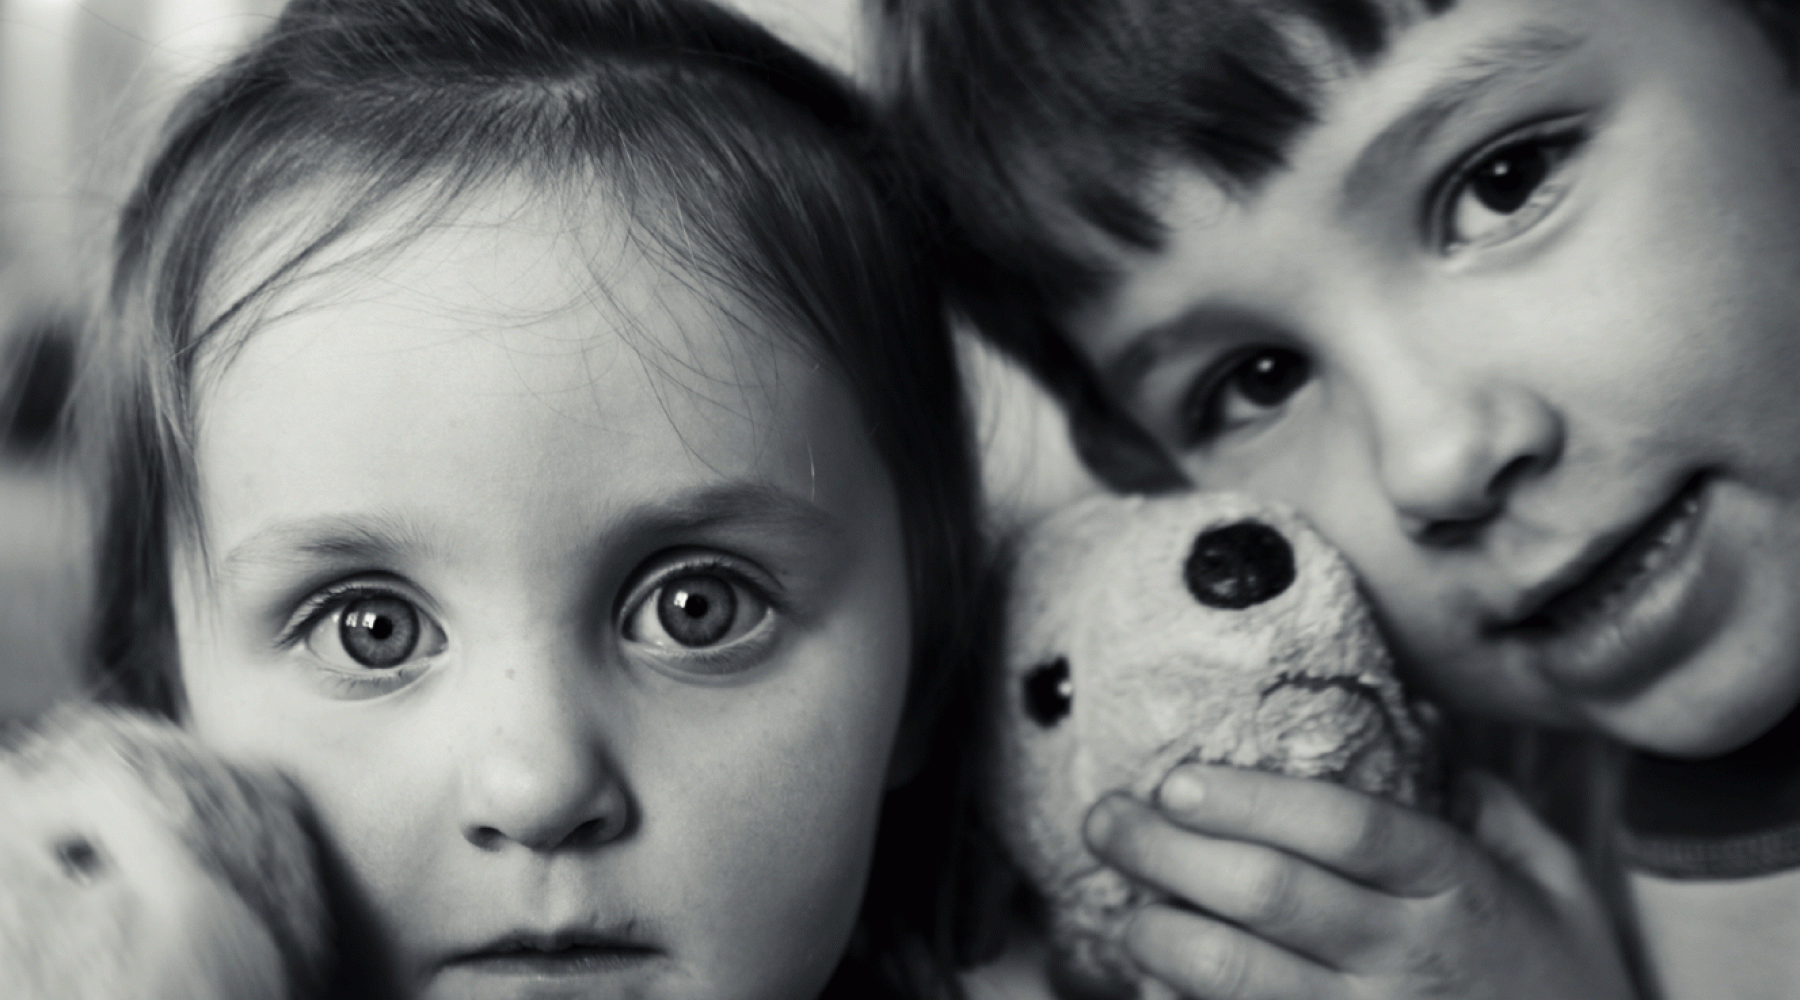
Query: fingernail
[[1182, 791]]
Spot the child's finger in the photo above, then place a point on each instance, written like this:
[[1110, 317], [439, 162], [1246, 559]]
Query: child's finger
[[1376, 842], [1205, 959], [1276, 895]]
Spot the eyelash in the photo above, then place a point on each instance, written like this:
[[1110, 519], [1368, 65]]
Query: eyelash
[[1561, 139], [707, 661], [318, 608]]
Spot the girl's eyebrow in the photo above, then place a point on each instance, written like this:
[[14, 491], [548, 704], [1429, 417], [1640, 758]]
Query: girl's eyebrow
[[750, 503], [1492, 64], [378, 537], [389, 538]]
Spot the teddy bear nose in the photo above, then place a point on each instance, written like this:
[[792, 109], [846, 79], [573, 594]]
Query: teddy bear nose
[[1239, 565]]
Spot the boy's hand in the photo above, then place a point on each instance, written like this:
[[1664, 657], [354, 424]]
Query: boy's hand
[[1303, 889]]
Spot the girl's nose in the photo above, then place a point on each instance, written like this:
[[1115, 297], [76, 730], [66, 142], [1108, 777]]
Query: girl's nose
[[537, 771], [1450, 455]]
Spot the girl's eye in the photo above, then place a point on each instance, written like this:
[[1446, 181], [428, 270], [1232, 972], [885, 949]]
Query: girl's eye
[[697, 609], [1506, 191], [372, 631], [1248, 388], [379, 631]]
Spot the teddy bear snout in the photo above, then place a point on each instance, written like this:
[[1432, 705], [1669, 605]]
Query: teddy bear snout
[[1239, 565]]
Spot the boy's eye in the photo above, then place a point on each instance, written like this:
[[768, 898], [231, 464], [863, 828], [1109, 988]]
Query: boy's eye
[[697, 609], [1502, 183], [372, 631], [1244, 390], [1506, 190]]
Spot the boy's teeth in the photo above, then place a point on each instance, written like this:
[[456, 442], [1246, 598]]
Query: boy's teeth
[[1648, 556]]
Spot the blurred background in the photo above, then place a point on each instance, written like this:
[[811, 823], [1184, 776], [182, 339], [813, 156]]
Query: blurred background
[[83, 84]]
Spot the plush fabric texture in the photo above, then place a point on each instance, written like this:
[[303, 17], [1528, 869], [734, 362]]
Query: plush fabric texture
[[1144, 633], [139, 864]]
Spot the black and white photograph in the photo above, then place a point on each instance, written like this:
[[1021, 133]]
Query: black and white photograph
[[899, 499]]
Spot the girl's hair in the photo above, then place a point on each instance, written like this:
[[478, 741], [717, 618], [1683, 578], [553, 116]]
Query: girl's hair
[[736, 158]]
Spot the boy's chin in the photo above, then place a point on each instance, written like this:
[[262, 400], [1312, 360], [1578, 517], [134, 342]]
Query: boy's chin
[[1669, 724]]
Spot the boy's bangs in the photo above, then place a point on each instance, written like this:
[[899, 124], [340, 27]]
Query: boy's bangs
[[1059, 109]]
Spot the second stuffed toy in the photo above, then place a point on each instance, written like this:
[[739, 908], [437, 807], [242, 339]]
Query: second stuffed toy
[[137, 864]]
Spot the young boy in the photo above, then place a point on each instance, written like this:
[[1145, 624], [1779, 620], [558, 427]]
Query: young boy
[[1503, 295]]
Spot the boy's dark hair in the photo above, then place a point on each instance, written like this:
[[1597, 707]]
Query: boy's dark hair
[[732, 155], [1044, 119]]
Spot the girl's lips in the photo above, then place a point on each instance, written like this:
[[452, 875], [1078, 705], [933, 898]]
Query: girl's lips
[[562, 953], [1602, 622]]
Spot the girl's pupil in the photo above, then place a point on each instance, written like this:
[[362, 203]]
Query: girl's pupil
[[696, 610], [1505, 182], [379, 631], [1269, 378]]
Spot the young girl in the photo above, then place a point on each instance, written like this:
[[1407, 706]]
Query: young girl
[[534, 430]]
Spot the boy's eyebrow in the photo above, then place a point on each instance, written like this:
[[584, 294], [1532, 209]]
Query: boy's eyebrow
[[1125, 370], [1522, 53]]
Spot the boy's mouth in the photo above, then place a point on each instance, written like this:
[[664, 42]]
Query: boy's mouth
[[1607, 578]]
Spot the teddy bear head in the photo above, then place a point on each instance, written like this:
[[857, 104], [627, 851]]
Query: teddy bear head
[[1144, 633]]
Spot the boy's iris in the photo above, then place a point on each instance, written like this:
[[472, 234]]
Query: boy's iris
[[379, 631], [1506, 180], [697, 610], [1270, 377]]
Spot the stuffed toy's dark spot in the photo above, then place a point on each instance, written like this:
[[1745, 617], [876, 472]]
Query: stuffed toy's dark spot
[[1239, 565], [1049, 692], [80, 859]]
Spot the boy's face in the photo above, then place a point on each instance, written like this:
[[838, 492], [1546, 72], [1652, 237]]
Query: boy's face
[[1518, 329], [579, 611]]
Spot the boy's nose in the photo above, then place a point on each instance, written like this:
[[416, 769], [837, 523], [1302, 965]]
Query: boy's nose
[[1451, 456], [538, 772]]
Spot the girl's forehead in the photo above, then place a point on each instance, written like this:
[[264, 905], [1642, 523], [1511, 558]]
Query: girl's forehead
[[503, 358], [547, 272]]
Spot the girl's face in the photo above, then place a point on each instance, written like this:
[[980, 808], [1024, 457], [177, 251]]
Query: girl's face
[[578, 607], [1517, 328]]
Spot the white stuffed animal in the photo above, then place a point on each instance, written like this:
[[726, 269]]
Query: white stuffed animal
[[1146, 633], [139, 866]]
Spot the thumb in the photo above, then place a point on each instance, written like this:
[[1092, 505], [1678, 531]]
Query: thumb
[[1509, 830]]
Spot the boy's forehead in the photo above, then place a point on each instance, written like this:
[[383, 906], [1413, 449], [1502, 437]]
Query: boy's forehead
[[1443, 79]]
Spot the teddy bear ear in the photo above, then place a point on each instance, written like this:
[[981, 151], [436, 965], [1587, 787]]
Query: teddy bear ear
[[1048, 691]]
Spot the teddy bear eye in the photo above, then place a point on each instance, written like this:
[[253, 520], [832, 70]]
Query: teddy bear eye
[[1049, 692], [80, 859]]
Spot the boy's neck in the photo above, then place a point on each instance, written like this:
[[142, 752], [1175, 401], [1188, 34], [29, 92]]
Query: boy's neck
[[1751, 789]]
